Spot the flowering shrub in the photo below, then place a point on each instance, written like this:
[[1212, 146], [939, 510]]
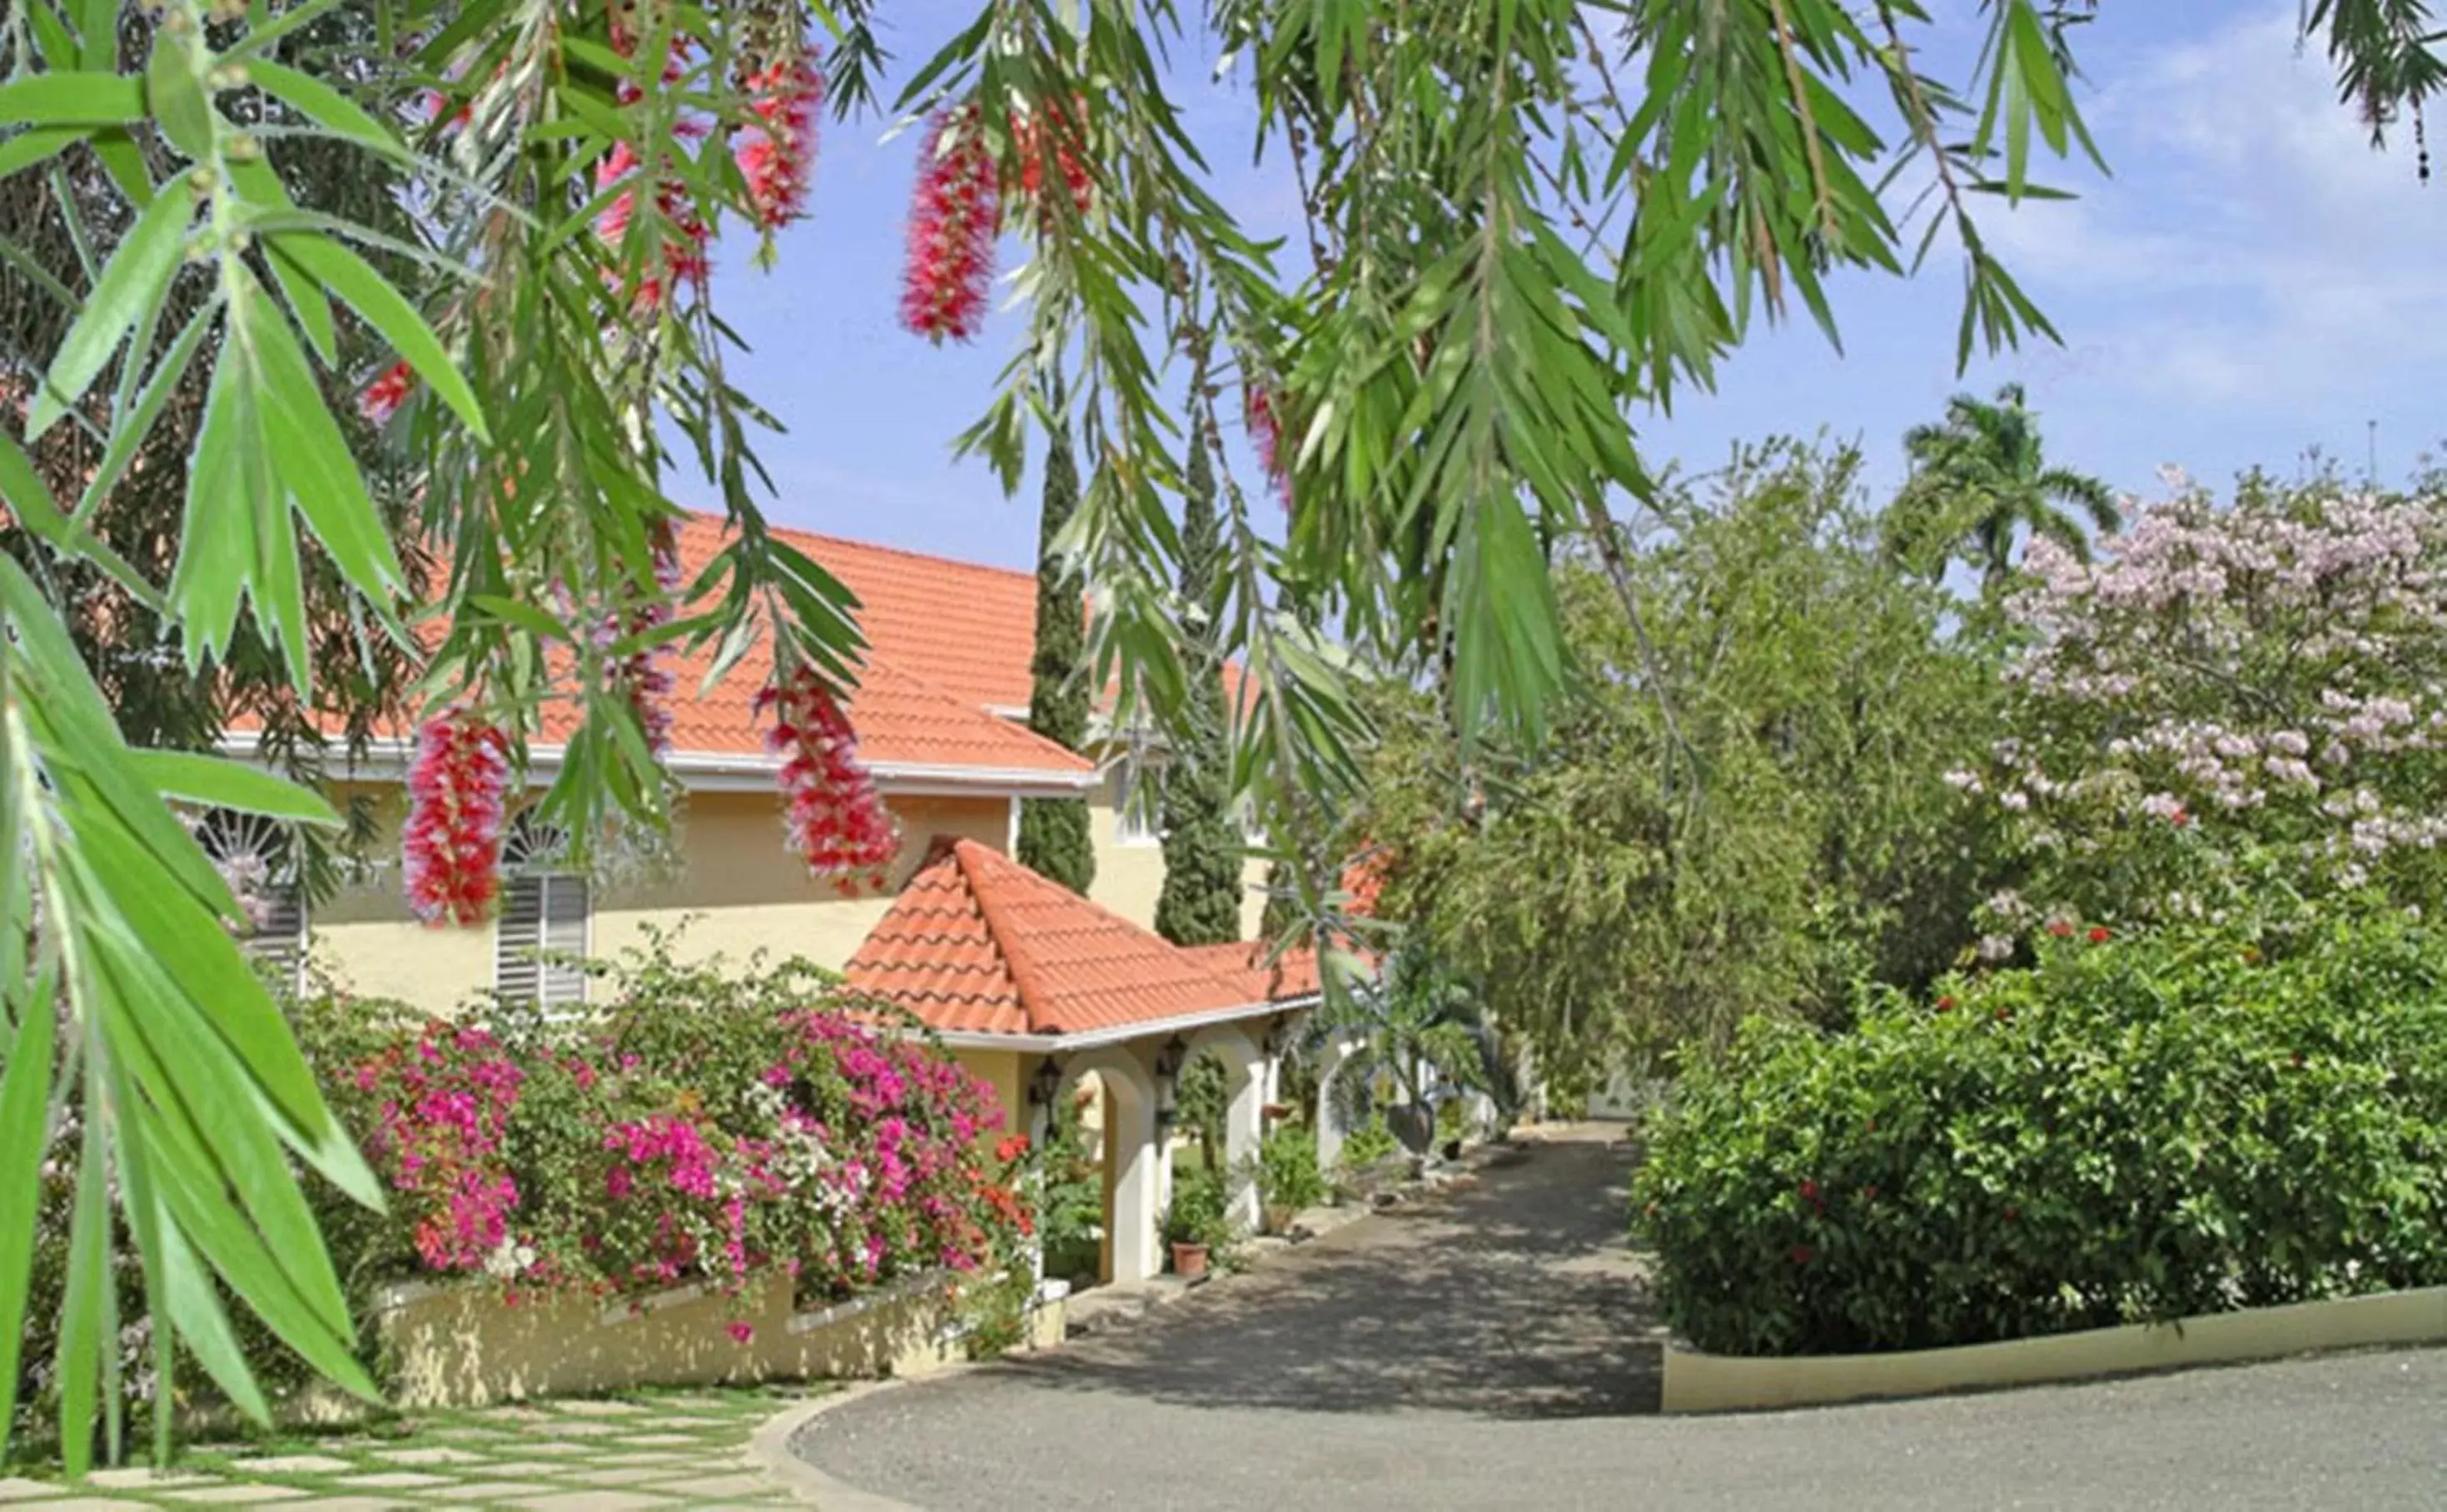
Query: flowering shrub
[[710, 1128], [2146, 1125], [2230, 698]]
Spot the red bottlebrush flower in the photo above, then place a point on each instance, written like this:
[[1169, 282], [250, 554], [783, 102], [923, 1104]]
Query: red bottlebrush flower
[[1063, 132], [683, 250], [1266, 435], [2100, 934], [451, 845], [953, 220], [1802, 1254], [1945, 1005], [642, 677], [382, 398], [835, 819], [777, 156]]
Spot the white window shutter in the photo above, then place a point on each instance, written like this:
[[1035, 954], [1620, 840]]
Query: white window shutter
[[279, 939], [517, 930], [567, 910]]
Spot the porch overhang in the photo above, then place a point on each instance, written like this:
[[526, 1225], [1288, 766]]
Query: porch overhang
[[1122, 1033]]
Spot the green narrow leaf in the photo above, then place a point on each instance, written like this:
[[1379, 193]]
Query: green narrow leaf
[[260, 185], [225, 474], [25, 1093], [370, 296], [38, 145], [195, 778], [176, 97], [312, 454], [327, 107], [88, 1279], [137, 274], [71, 100]]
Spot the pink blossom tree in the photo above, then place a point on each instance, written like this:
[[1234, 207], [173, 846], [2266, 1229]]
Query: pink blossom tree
[[2230, 703]]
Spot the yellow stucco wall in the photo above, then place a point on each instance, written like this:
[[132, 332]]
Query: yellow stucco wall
[[1129, 877], [731, 884]]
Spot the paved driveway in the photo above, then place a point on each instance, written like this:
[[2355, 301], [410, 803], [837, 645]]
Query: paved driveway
[[1495, 1353]]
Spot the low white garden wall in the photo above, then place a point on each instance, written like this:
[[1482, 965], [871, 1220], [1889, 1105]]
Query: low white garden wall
[[464, 1345]]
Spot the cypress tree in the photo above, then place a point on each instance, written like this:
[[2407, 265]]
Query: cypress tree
[[1053, 837], [1200, 901]]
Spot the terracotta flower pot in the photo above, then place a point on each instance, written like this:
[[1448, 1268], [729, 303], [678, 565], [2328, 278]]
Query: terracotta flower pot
[[1189, 1262]]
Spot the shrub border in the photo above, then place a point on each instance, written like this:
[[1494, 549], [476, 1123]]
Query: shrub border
[[1719, 1383]]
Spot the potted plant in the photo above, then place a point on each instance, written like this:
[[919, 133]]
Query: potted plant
[[1195, 1225], [1287, 1176]]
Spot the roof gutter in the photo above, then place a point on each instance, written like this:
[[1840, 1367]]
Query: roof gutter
[[1120, 1033], [715, 771]]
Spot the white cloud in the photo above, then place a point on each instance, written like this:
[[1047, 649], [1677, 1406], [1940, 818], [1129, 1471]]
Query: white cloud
[[2253, 253]]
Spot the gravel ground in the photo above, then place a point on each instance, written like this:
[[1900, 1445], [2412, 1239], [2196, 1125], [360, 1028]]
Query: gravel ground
[[1496, 1351]]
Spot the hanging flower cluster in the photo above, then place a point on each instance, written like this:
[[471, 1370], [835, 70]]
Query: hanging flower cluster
[[451, 845], [643, 677], [835, 819], [777, 155], [382, 398], [952, 224], [684, 259], [1070, 157], [1266, 435]]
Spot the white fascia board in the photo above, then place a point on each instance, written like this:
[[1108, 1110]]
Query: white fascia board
[[708, 771], [1120, 1033]]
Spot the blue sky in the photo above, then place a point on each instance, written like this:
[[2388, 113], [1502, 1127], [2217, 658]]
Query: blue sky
[[2252, 282]]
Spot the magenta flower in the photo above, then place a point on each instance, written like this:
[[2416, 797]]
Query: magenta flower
[[451, 845]]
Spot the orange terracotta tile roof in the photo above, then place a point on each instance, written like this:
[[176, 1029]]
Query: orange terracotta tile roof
[[1261, 974], [978, 944]]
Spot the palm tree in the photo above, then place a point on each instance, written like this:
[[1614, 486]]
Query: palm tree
[[1980, 478], [1419, 1028]]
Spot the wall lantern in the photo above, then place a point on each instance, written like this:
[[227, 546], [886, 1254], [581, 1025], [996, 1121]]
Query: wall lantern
[[1168, 1062], [1046, 1085]]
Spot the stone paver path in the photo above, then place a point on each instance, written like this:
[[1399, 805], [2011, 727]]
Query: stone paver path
[[652, 1450]]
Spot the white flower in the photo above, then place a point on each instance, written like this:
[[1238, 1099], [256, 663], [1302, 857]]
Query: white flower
[[1994, 948]]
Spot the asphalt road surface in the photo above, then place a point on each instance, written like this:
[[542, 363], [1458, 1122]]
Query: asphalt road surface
[[1495, 1351]]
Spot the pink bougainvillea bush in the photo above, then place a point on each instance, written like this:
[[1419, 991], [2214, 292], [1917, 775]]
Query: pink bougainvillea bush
[[712, 1127], [2229, 702]]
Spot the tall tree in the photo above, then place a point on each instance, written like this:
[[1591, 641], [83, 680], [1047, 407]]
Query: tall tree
[[1979, 482], [1053, 837], [1200, 901]]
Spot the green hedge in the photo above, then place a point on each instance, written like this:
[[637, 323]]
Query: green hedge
[[2135, 1128]]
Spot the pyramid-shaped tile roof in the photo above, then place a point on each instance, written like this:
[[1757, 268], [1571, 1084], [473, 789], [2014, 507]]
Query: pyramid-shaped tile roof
[[978, 944]]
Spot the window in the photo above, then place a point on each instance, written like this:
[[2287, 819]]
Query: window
[[541, 934], [259, 856], [1134, 800]]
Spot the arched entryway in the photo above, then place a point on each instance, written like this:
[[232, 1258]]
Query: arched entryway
[[1123, 1120]]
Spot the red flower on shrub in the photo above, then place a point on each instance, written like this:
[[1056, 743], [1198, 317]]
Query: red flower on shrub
[[2005, 1015], [1801, 1253], [2060, 927], [1945, 1005], [2100, 934], [741, 1333], [1869, 1193], [382, 398], [1810, 1191]]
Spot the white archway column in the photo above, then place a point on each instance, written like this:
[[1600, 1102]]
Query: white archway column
[[1335, 1054], [1244, 1115]]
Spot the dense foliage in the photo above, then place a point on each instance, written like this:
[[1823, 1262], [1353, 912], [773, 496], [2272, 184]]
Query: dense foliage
[[2176, 1122], [1199, 903], [1743, 810], [2235, 700], [1054, 834]]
